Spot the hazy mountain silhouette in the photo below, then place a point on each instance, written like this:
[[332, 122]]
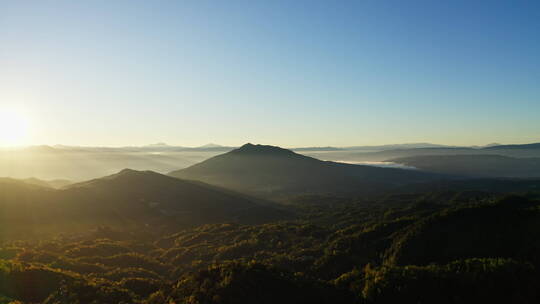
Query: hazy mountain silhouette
[[211, 145], [126, 199], [77, 163], [397, 146], [56, 183], [307, 149], [270, 170], [492, 145], [475, 165], [519, 151], [83, 163], [524, 146]]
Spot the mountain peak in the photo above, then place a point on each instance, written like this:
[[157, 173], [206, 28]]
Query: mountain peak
[[250, 148], [126, 175], [271, 171], [133, 178], [130, 172]]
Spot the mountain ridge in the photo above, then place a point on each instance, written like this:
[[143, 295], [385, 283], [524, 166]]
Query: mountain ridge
[[519, 146], [269, 170], [126, 199], [475, 165]]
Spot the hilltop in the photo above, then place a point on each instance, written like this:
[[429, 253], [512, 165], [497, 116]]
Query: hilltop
[[270, 171], [126, 199]]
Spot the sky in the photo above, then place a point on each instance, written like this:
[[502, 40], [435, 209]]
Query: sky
[[289, 73]]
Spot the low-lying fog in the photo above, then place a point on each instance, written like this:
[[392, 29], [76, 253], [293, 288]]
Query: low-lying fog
[[83, 163], [377, 164], [79, 165]]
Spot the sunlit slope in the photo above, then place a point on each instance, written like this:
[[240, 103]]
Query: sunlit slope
[[126, 199], [269, 170]]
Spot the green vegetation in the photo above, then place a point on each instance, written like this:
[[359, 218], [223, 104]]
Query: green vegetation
[[143, 237], [128, 199], [436, 247]]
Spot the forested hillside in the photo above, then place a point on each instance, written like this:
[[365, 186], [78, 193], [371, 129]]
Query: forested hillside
[[428, 247], [127, 199]]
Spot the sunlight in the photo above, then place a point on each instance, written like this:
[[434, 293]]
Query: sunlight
[[14, 128]]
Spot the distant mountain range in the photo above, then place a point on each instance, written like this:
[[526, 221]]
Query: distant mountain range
[[395, 146], [215, 147], [517, 151], [388, 147], [56, 184], [52, 184], [475, 165], [212, 146], [523, 147], [83, 163], [273, 171], [317, 149], [158, 147]]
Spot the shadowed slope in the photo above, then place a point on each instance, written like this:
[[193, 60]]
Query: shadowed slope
[[126, 199], [475, 165], [269, 170], [508, 228]]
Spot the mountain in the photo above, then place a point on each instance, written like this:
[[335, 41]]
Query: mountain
[[384, 155], [186, 200], [520, 147], [273, 171], [304, 149], [475, 165], [56, 183], [396, 146], [492, 145], [126, 199], [517, 151]]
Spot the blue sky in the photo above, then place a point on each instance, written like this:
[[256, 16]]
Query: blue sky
[[290, 73]]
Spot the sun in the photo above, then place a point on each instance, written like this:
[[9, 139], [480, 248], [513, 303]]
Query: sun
[[14, 128]]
